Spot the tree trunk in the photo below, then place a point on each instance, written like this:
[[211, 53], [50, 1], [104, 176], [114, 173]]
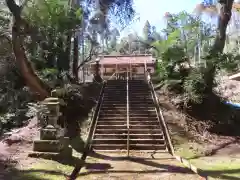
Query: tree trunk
[[60, 54], [51, 53], [75, 59], [30, 78], [66, 66], [225, 13]]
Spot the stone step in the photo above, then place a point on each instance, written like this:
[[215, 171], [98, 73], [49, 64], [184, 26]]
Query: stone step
[[139, 90], [111, 122], [114, 95], [156, 123], [109, 141], [131, 146], [111, 101], [112, 114], [116, 89], [112, 118], [124, 131], [103, 107], [144, 97], [131, 136], [137, 101], [131, 141], [145, 109], [111, 131], [110, 136], [142, 106], [146, 131], [117, 98], [132, 123], [147, 146], [141, 103], [109, 147], [143, 115], [113, 110], [114, 102], [111, 126], [114, 92], [146, 136], [143, 126], [135, 110], [143, 119]]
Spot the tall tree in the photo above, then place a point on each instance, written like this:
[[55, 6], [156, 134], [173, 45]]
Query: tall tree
[[155, 35], [147, 31], [225, 13]]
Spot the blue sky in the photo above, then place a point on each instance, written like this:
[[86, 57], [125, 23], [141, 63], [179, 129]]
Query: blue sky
[[154, 10]]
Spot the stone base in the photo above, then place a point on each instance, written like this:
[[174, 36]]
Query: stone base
[[47, 145], [48, 134], [65, 153]]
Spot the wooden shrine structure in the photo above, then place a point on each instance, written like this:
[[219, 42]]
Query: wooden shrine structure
[[134, 65]]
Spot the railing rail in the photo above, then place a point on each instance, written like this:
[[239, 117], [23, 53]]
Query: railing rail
[[112, 76], [162, 121], [87, 145], [128, 117]]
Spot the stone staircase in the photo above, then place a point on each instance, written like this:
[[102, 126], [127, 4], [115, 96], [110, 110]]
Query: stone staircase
[[111, 131], [145, 130]]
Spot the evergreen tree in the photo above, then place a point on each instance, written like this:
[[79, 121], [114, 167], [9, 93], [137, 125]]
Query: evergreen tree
[[147, 31]]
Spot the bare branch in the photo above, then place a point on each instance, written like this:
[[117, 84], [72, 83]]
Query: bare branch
[[91, 53]]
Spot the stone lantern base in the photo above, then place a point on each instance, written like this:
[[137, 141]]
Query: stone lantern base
[[51, 142]]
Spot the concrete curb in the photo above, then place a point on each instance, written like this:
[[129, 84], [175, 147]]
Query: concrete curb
[[193, 168]]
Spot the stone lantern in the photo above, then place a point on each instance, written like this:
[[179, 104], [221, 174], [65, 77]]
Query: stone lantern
[[53, 106], [52, 140]]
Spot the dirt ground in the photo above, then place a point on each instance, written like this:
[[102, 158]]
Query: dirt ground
[[14, 149]]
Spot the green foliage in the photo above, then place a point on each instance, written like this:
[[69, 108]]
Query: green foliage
[[55, 23], [229, 62], [194, 87], [177, 55], [53, 16]]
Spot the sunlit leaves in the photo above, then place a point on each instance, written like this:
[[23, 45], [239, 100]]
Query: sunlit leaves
[[53, 16]]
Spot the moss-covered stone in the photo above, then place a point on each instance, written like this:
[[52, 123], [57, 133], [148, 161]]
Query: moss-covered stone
[[47, 145], [48, 134]]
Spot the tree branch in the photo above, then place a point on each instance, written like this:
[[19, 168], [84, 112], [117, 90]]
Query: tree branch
[[14, 9], [91, 52]]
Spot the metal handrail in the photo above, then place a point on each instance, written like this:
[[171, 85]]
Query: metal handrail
[[111, 76], [87, 145], [162, 121], [127, 118]]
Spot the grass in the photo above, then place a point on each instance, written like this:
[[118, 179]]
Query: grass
[[45, 170], [217, 167]]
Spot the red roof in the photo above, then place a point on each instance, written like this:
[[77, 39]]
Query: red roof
[[138, 59]]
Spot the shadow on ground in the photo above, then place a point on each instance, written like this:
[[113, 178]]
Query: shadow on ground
[[158, 167], [9, 172]]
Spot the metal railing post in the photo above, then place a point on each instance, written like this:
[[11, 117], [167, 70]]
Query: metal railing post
[[127, 117]]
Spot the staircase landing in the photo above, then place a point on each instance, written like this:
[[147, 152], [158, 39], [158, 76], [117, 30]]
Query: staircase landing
[[140, 166]]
